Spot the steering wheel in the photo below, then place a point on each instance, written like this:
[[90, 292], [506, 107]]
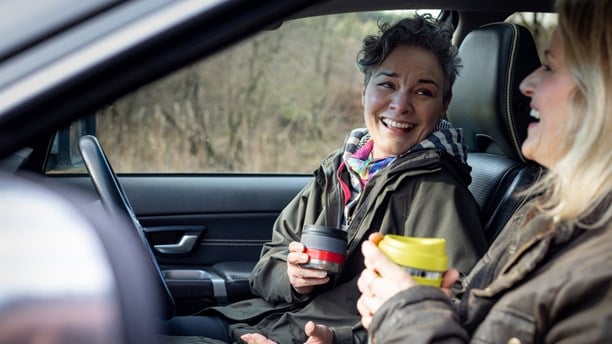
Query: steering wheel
[[116, 203]]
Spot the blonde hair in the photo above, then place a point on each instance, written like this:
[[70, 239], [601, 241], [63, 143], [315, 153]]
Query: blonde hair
[[581, 180]]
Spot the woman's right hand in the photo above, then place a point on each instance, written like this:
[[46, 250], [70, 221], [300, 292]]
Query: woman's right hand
[[382, 279], [303, 280]]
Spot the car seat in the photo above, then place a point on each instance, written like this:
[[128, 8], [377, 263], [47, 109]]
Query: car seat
[[494, 116]]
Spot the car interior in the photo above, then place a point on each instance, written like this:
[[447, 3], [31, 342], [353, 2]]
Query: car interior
[[202, 232], [494, 115]]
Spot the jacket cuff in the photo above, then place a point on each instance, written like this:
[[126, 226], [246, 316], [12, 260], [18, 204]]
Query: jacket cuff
[[342, 335], [407, 310]]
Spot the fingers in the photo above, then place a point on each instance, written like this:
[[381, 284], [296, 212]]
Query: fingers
[[381, 276], [305, 276], [318, 334], [380, 280], [364, 283], [369, 302], [375, 260], [302, 279], [374, 292], [367, 307], [450, 277], [376, 237], [309, 328], [370, 251], [296, 254], [256, 338], [366, 313], [295, 246]]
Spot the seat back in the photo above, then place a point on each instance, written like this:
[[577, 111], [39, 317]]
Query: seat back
[[494, 116]]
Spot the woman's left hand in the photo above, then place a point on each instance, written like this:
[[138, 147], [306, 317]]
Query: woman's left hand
[[318, 334]]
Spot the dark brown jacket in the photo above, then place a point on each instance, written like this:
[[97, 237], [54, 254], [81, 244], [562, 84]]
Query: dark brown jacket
[[536, 284]]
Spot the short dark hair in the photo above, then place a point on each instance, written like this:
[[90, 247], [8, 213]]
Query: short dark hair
[[421, 31]]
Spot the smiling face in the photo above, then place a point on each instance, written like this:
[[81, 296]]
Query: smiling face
[[549, 88], [403, 100]]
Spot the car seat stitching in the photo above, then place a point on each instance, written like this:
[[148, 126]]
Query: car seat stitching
[[509, 118]]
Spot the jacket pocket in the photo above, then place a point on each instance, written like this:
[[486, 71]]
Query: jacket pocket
[[506, 326]]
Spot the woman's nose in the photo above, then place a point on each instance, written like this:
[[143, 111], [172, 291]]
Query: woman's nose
[[402, 102], [528, 84]]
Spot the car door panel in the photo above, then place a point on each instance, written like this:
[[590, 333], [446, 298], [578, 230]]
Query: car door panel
[[222, 221]]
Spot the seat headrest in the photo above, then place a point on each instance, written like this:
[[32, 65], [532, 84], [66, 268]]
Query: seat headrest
[[486, 101]]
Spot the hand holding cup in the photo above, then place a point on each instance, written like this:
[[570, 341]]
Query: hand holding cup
[[423, 258], [384, 277], [319, 254], [302, 279]]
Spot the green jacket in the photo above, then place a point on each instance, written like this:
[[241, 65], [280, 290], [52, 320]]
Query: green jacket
[[420, 194], [538, 283]]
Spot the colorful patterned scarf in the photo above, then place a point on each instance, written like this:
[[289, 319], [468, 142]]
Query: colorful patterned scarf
[[365, 166]]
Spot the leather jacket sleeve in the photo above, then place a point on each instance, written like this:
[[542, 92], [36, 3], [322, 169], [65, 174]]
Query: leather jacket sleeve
[[421, 314]]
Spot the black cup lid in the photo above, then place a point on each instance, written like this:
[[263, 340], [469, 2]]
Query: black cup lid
[[324, 231]]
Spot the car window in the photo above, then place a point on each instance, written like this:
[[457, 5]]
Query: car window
[[278, 102], [541, 26], [275, 103]]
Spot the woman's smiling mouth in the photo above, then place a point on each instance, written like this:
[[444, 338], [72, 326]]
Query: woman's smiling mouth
[[397, 125]]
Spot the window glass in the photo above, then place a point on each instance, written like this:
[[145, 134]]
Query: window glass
[[275, 103], [541, 26], [64, 156], [278, 102]]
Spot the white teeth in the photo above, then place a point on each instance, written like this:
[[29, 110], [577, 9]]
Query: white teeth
[[534, 113], [392, 123]]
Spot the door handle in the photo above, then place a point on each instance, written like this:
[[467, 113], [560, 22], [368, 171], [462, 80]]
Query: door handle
[[183, 246]]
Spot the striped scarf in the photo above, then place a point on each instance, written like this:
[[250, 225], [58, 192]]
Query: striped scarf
[[361, 168]]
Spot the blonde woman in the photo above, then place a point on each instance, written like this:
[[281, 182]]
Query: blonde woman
[[548, 277]]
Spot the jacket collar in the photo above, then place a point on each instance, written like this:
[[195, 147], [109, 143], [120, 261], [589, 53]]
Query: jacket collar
[[444, 138]]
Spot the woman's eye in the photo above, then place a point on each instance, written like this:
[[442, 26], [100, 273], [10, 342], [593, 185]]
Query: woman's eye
[[386, 85], [546, 67], [424, 93]]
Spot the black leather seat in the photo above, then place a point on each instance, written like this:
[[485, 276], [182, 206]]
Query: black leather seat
[[494, 115]]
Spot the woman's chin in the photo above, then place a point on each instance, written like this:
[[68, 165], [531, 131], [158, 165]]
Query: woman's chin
[[527, 150], [530, 152]]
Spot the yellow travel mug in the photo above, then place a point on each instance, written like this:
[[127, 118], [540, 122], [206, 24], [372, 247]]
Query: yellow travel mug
[[423, 258]]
